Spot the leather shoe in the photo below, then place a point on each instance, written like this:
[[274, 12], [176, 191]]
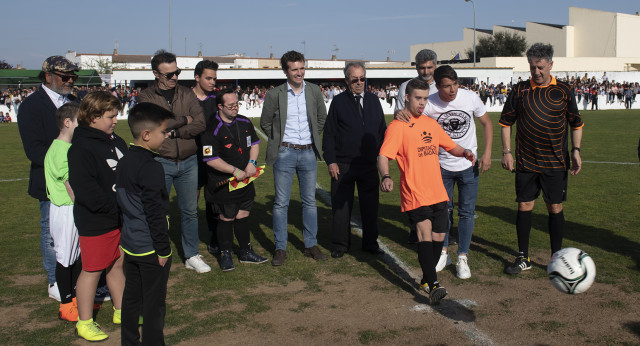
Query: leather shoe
[[376, 251], [337, 253], [278, 258], [314, 252]]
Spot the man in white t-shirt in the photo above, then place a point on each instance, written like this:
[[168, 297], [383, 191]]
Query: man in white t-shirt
[[426, 63], [455, 109]]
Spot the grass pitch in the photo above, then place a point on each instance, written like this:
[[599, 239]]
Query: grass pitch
[[601, 212]]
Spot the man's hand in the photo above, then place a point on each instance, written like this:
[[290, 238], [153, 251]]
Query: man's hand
[[250, 170], [241, 175], [576, 163], [403, 115], [189, 119], [468, 154], [507, 162], [485, 162], [334, 171], [162, 260], [386, 185]]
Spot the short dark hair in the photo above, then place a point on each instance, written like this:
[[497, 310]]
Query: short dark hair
[[540, 51], [147, 116], [290, 56], [221, 93], [444, 71], [67, 111], [161, 56], [208, 64], [416, 83]]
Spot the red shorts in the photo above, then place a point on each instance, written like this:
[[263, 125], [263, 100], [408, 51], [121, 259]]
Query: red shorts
[[99, 252]]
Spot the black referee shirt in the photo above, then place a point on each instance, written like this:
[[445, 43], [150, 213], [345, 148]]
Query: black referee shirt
[[544, 116], [232, 143]]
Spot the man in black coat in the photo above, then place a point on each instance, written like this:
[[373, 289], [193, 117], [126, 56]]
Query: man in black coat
[[353, 134], [38, 128]]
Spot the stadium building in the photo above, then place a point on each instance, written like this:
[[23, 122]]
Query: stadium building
[[593, 41]]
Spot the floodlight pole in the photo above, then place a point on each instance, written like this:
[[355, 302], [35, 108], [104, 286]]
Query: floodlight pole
[[474, 31]]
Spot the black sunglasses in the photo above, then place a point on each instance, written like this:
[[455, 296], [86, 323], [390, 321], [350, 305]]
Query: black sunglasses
[[361, 79], [65, 77], [170, 74]]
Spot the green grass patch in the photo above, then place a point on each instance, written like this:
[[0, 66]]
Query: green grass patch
[[601, 218]]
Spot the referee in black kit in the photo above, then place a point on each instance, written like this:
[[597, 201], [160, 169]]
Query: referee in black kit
[[546, 114]]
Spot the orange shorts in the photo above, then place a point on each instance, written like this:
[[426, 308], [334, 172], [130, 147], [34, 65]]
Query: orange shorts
[[99, 252]]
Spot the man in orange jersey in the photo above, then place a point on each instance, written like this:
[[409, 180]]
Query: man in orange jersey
[[546, 113], [415, 145]]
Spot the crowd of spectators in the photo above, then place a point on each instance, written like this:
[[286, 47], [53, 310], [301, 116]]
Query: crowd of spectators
[[585, 89]]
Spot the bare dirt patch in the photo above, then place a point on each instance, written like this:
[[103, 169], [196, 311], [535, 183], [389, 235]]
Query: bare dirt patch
[[25, 280], [486, 310]]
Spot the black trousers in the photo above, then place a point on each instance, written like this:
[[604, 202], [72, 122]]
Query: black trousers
[[342, 191], [145, 291]]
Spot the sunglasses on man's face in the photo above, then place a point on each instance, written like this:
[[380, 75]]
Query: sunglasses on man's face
[[356, 80], [170, 74], [65, 77]]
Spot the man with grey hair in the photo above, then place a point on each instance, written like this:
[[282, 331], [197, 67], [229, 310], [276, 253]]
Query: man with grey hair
[[546, 113], [426, 63], [38, 128], [353, 134]]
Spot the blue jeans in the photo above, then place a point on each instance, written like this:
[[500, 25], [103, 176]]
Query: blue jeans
[[46, 243], [183, 175], [304, 164], [467, 181]]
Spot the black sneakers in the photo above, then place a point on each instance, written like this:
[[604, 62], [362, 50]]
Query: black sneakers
[[436, 294], [518, 265], [249, 256], [226, 261]]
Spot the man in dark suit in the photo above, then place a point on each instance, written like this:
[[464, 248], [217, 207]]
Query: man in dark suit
[[38, 128], [293, 117], [352, 138]]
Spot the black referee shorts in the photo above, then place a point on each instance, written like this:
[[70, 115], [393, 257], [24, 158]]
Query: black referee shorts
[[438, 214], [230, 210], [553, 185]]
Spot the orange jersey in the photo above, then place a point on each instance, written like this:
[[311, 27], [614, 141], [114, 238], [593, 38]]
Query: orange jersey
[[415, 146]]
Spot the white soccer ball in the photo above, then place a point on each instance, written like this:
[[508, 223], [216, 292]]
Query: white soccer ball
[[571, 270]]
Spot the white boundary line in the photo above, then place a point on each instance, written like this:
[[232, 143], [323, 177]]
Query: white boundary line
[[10, 180], [597, 162], [401, 269]]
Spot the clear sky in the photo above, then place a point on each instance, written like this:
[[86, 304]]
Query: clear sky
[[32, 30]]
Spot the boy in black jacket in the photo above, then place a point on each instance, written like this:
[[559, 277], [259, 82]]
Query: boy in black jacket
[[94, 154], [144, 201]]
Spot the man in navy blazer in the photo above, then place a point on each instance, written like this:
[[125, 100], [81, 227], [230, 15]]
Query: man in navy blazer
[[293, 117], [352, 138], [38, 128]]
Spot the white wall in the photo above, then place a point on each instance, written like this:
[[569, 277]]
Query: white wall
[[547, 34], [595, 32], [627, 35], [325, 64]]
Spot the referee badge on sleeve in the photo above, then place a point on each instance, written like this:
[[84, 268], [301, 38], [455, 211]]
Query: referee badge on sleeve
[[206, 150]]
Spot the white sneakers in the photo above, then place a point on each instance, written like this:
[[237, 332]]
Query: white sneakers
[[196, 263], [462, 268], [54, 292], [444, 261]]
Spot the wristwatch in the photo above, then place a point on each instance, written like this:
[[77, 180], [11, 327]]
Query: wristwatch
[[255, 164], [575, 149]]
